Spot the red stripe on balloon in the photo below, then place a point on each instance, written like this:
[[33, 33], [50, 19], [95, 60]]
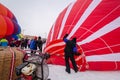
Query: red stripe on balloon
[[58, 24], [77, 11]]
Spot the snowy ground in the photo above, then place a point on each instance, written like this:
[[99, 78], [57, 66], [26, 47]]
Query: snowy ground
[[57, 72]]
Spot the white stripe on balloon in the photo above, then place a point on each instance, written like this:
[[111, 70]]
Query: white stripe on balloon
[[104, 30], [104, 57], [88, 11], [54, 45], [64, 19], [51, 37]]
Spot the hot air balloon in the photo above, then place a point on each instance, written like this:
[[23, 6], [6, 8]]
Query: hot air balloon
[[8, 23], [96, 25]]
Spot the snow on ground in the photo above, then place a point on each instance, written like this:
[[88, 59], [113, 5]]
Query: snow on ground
[[57, 72]]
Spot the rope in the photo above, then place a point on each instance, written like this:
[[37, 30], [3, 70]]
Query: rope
[[12, 64]]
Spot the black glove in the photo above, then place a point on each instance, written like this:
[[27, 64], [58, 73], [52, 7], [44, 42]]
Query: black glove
[[65, 36], [77, 53]]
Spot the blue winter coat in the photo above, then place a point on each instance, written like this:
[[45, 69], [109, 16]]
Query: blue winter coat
[[33, 45]]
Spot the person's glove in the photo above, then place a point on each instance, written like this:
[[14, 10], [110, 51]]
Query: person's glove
[[65, 36], [77, 53]]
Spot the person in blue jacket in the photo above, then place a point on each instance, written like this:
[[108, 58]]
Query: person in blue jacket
[[69, 51], [33, 45]]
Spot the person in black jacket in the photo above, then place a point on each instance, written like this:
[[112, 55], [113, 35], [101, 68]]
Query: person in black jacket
[[69, 50], [39, 43]]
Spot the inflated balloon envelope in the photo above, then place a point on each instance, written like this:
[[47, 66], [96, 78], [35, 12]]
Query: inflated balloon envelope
[[96, 25], [8, 23]]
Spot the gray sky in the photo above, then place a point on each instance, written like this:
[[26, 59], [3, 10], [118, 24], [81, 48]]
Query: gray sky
[[36, 17]]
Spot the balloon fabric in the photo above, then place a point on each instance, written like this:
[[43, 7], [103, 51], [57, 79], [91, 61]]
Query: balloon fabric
[[96, 25]]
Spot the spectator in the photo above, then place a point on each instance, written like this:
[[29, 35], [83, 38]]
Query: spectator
[[12, 43], [29, 40], [33, 45], [22, 43], [26, 42], [39, 43], [17, 43]]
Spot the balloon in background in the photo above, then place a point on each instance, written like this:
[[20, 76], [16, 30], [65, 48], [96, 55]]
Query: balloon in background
[[96, 25], [8, 24], [20, 36]]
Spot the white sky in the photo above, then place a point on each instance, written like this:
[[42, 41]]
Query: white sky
[[36, 17]]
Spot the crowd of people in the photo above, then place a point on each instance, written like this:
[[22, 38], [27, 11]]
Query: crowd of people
[[26, 43]]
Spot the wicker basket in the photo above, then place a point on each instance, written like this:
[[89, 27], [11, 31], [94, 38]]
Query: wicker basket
[[9, 59]]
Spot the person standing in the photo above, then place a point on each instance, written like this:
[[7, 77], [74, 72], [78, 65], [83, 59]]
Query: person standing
[[33, 45], [39, 43], [69, 50], [12, 43], [26, 42], [22, 43], [29, 40]]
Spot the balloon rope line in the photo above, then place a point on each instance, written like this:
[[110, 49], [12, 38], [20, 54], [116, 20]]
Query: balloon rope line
[[84, 59], [99, 38], [12, 64], [116, 65]]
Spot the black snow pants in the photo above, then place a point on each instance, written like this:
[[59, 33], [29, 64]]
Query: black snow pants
[[71, 58]]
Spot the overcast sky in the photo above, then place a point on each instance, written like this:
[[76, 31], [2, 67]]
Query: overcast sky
[[36, 17]]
